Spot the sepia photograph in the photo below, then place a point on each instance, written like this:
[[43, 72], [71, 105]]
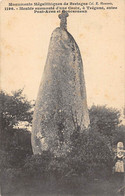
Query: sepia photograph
[[62, 98]]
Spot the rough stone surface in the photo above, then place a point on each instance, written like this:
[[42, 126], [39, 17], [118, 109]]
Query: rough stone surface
[[61, 105]]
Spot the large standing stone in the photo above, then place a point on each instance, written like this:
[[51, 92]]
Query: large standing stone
[[61, 105]]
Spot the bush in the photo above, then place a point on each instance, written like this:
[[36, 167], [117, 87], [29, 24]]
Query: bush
[[59, 167], [37, 165], [4, 160], [91, 155]]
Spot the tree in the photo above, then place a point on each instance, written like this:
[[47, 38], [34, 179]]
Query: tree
[[106, 120], [119, 135], [14, 108], [15, 143]]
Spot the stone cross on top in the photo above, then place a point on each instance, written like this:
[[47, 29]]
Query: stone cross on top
[[63, 19]]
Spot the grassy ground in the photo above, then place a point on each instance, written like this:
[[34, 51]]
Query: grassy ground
[[68, 187]]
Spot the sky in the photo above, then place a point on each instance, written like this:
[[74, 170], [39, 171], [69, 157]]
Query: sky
[[100, 36]]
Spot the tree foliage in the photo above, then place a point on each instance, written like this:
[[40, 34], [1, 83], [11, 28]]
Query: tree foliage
[[104, 119], [119, 135], [15, 143], [14, 108]]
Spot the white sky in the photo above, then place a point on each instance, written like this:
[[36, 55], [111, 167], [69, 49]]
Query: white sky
[[100, 36]]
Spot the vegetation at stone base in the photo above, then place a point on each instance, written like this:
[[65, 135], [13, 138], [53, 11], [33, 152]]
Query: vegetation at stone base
[[90, 153], [89, 156]]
